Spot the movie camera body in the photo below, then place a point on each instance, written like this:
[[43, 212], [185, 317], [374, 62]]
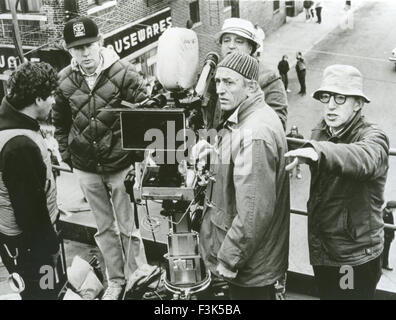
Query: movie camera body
[[166, 174]]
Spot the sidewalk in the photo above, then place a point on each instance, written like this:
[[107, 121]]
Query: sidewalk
[[297, 35]]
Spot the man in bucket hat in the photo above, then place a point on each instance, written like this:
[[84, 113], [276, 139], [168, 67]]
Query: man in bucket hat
[[244, 235], [240, 35], [90, 142], [348, 159]]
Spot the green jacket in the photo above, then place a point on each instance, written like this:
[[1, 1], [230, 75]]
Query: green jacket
[[345, 223], [246, 227]]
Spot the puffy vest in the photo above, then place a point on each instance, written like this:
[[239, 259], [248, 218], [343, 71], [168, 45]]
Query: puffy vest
[[8, 225]]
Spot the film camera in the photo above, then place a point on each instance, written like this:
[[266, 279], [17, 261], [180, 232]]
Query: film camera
[[161, 127]]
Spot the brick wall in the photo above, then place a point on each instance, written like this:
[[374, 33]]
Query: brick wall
[[212, 16], [262, 13]]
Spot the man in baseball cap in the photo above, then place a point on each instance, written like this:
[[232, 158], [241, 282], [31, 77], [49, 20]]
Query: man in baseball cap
[[90, 142], [240, 35], [348, 158], [245, 234]]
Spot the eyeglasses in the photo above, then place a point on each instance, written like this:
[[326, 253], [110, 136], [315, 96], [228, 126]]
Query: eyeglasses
[[338, 98]]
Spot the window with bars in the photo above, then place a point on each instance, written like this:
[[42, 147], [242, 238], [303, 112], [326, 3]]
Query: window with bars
[[24, 6], [194, 11], [227, 3], [276, 5]]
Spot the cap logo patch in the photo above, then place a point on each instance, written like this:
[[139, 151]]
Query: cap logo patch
[[79, 29]]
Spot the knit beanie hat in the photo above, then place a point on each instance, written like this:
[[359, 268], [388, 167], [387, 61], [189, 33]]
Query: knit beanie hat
[[245, 65]]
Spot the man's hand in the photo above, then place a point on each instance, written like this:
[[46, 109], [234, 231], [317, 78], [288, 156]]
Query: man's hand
[[302, 155], [225, 273], [201, 150]]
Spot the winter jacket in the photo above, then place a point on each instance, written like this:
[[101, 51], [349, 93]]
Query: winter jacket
[[274, 95], [246, 221], [88, 135], [283, 67], [28, 207], [345, 223]]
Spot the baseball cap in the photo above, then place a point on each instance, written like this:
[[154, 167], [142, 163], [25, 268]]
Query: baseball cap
[[80, 31]]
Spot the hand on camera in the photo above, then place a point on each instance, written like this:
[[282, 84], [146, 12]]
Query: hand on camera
[[225, 272], [201, 151]]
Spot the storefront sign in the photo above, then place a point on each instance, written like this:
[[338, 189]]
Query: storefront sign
[[9, 58], [139, 35]]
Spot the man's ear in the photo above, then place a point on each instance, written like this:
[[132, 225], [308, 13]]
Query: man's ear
[[252, 86], [38, 101], [358, 104]]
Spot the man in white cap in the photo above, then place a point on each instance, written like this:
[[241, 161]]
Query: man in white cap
[[240, 35], [348, 158], [244, 235]]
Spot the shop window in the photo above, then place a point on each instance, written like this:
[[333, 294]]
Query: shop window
[[227, 3], [276, 5], [24, 6], [194, 11], [151, 3]]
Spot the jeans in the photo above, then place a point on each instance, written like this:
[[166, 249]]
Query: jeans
[[301, 80], [114, 217], [285, 80], [319, 14], [365, 279]]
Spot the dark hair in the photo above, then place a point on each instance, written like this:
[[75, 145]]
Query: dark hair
[[29, 81]]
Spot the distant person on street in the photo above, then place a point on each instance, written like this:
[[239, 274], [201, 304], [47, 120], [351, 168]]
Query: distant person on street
[[318, 10], [387, 215], [348, 20], [295, 134], [301, 72], [283, 67], [260, 35], [309, 11], [90, 142], [348, 159]]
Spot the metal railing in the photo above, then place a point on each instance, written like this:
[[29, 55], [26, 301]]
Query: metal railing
[[392, 152]]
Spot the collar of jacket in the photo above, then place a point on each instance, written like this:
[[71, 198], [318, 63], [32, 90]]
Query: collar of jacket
[[109, 57], [246, 108], [11, 118], [355, 123]]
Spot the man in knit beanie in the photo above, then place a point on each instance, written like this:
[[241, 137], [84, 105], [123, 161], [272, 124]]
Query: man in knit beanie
[[240, 35], [245, 231]]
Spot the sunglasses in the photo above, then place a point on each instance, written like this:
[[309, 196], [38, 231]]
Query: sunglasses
[[338, 98]]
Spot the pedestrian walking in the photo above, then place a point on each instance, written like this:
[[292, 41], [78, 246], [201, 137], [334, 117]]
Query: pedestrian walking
[[283, 67], [348, 159], [318, 10], [301, 72], [389, 235], [309, 11], [90, 142], [295, 134]]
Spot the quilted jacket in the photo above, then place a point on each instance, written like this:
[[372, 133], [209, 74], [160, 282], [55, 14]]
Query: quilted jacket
[[89, 136]]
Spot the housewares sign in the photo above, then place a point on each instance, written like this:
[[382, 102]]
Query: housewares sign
[[139, 35]]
